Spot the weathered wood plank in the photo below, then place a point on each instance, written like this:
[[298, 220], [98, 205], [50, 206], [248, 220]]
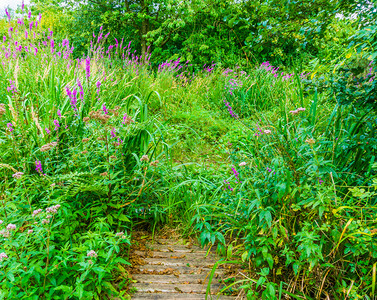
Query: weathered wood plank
[[181, 278], [175, 248], [171, 262], [174, 288], [179, 270], [177, 296], [175, 255]]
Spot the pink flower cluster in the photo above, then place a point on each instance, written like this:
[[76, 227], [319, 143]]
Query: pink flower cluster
[[36, 212], [17, 175], [296, 111], [121, 235], [53, 209], [11, 227], [92, 253], [3, 255]]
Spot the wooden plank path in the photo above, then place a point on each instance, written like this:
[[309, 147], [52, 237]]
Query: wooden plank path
[[169, 269]]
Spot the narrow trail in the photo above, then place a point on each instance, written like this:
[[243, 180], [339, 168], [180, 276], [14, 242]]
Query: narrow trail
[[175, 269]]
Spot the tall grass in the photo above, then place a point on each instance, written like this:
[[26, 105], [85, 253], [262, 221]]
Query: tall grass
[[260, 164]]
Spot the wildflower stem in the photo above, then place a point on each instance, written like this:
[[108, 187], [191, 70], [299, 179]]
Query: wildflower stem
[[47, 262]]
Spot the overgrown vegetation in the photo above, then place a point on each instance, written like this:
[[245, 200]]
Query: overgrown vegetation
[[276, 167]]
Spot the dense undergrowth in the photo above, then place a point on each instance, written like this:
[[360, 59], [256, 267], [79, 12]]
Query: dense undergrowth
[[276, 169]]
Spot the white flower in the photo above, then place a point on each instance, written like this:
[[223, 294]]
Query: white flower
[[267, 131], [242, 164]]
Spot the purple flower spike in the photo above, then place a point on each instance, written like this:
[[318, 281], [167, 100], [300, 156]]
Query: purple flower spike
[[98, 87], [57, 125], [113, 134], [87, 67], [105, 109], [38, 167], [236, 174], [10, 127]]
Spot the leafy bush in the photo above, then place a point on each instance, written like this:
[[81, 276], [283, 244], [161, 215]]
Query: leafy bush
[[294, 204]]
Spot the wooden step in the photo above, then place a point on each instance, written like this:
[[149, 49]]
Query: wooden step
[[178, 296], [181, 278], [175, 288], [177, 269], [172, 262], [174, 255], [176, 248]]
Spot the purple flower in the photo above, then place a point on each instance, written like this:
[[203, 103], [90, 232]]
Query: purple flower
[[229, 186], [98, 87], [12, 87], [10, 127], [73, 97], [38, 167], [87, 67], [105, 109], [7, 13], [56, 123], [48, 131], [113, 134], [59, 113], [230, 110], [81, 92], [235, 172]]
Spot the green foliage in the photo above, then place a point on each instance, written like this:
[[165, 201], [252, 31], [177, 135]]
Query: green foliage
[[227, 32], [291, 201], [128, 144], [61, 144]]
